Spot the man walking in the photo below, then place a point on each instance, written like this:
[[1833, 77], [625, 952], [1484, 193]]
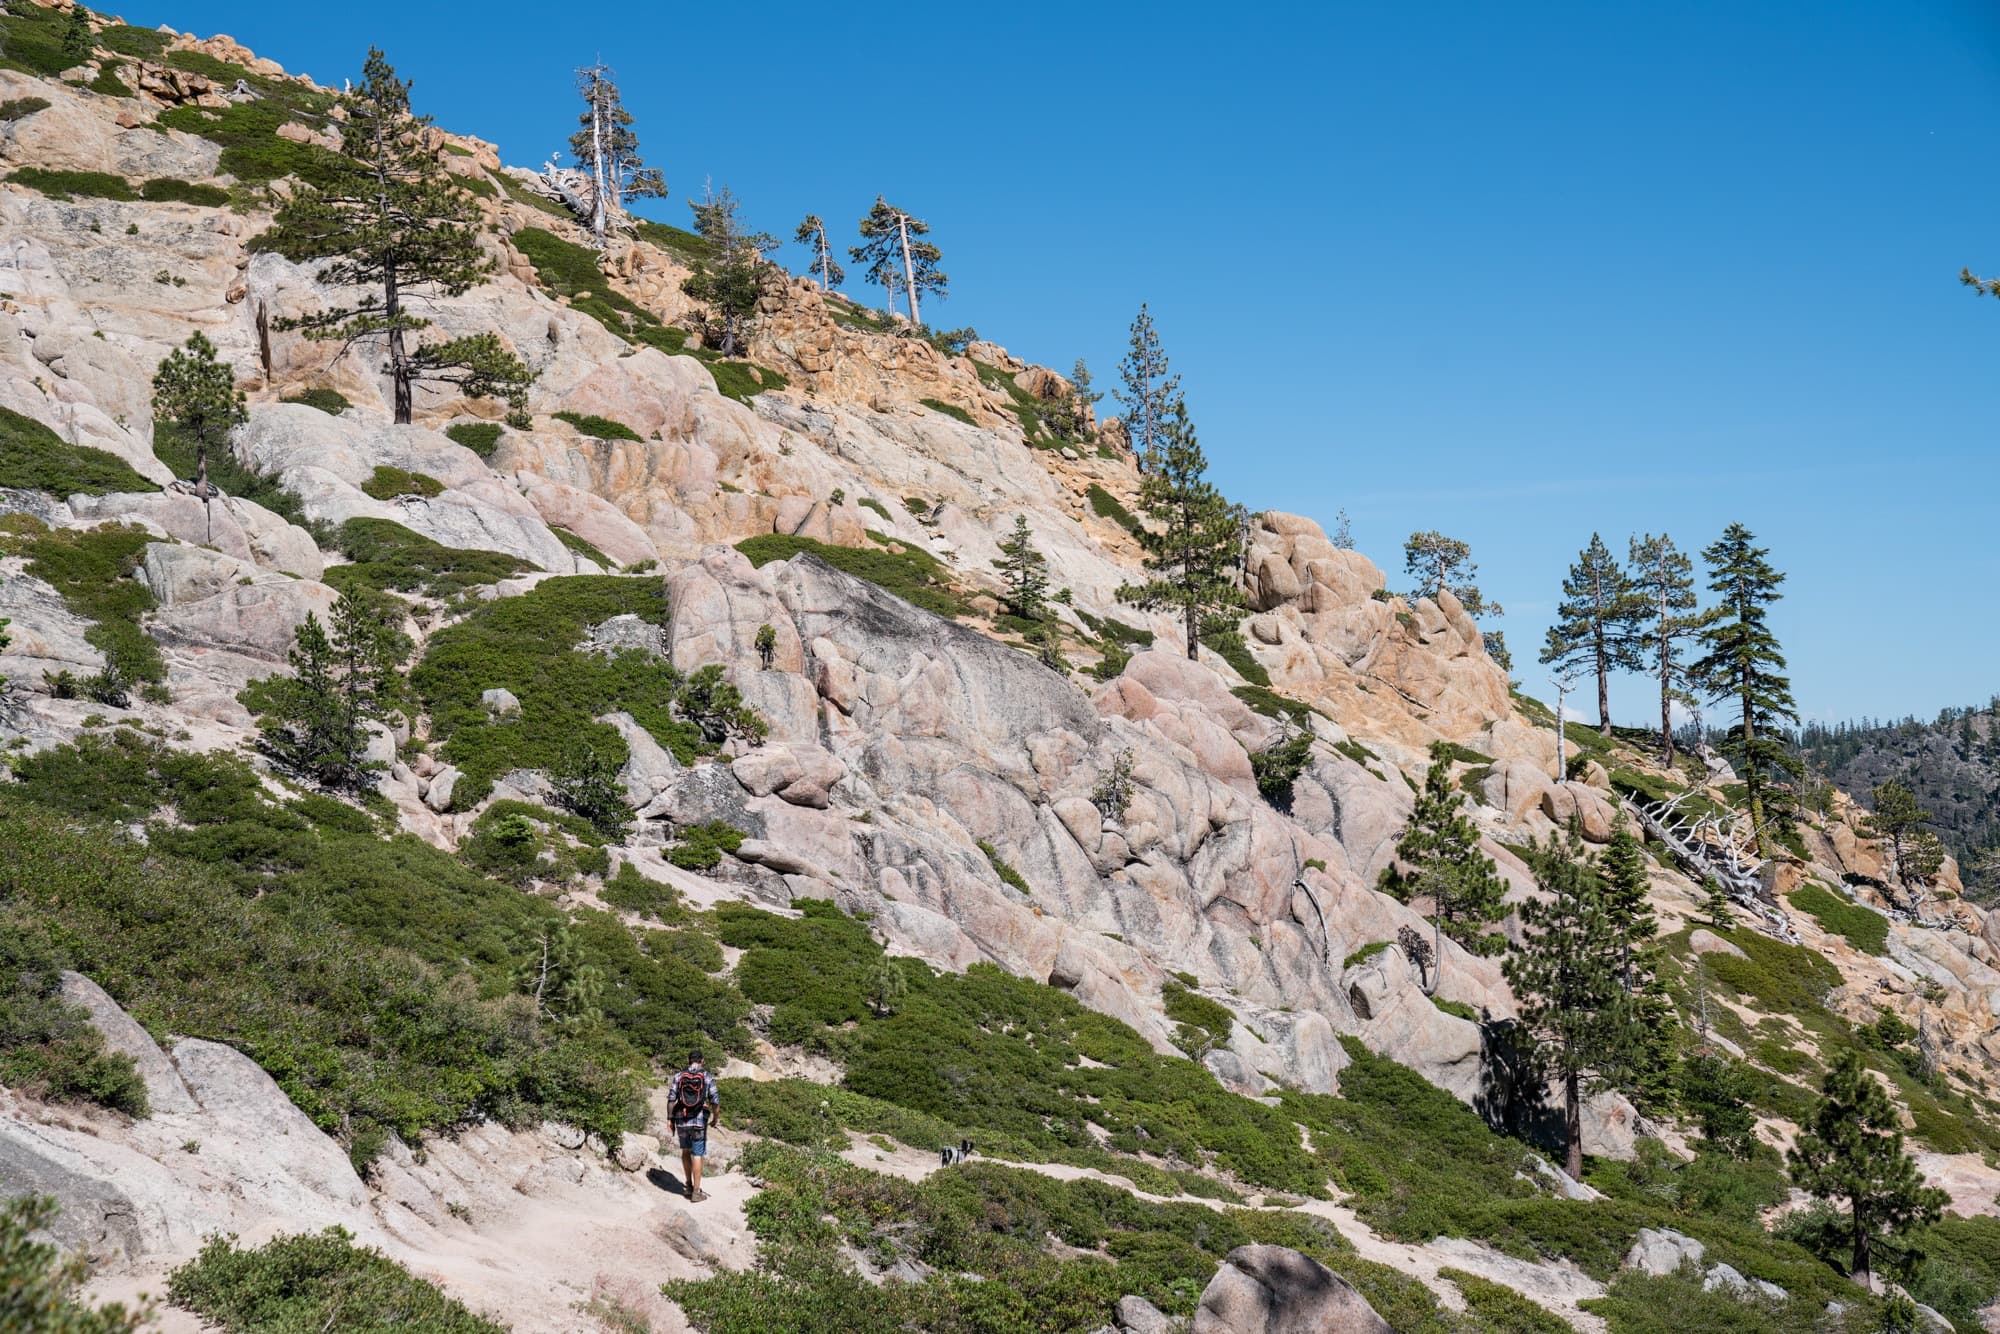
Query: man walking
[[694, 1106]]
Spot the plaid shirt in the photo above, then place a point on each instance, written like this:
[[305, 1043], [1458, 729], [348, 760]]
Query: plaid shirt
[[711, 1099]]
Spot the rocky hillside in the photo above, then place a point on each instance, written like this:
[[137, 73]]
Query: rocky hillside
[[1951, 764], [917, 885]]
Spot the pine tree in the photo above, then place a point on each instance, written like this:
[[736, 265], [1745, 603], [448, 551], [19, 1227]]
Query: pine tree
[[1440, 845], [1439, 563], [394, 223], [196, 393], [898, 259], [731, 285], [315, 722], [1025, 570], [1622, 877], [1149, 392], [1896, 819], [1663, 580], [1853, 1152], [812, 232], [1191, 544], [1743, 663], [1583, 1024], [1597, 624], [606, 146], [78, 42], [1715, 1093]]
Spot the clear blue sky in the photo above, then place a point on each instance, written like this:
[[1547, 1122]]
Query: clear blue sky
[[1516, 273]]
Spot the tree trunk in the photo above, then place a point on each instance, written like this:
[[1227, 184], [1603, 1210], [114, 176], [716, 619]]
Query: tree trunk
[[910, 280], [201, 484], [1437, 945], [1666, 701], [1603, 688], [597, 163], [1753, 780], [1193, 632], [1573, 1127], [1862, 1258], [400, 370]]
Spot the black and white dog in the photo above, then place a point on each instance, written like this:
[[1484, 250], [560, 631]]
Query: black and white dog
[[949, 1156]]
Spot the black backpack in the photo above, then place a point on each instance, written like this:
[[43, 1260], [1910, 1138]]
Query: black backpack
[[690, 1095]]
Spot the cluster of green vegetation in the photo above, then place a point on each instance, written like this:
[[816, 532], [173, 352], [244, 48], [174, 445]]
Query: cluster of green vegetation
[[950, 410], [914, 575], [389, 483], [702, 847], [383, 555], [61, 184], [986, 1230], [39, 1285], [1106, 506], [330, 401], [1009, 875], [598, 428], [92, 570], [34, 458], [20, 108], [582, 548], [566, 269], [316, 1281], [33, 39], [531, 645], [482, 438], [1861, 926], [1227, 643], [48, 1046], [1032, 413], [174, 448], [252, 150], [169, 190]]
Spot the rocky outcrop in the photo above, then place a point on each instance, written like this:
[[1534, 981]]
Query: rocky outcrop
[[1275, 1290]]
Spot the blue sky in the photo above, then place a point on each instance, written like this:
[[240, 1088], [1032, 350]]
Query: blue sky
[[1515, 273]]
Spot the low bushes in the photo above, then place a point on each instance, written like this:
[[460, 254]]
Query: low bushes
[[701, 847], [915, 576], [948, 410], [330, 401], [167, 190], [384, 555], [92, 568], [482, 438], [598, 428], [34, 458], [389, 483], [1861, 926], [48, 1047], [314, 1281], [1106, 506]]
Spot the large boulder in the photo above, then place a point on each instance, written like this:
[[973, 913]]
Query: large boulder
[[1660, 1251], [1276, 1290]]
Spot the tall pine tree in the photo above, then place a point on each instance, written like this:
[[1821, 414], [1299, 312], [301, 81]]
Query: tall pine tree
[[1025, 570], [1743, 664], [394, 223], [1191, 543], [1585, 1028], [1440, 563], [732, 278], [812, 232], [606, 146], [1663, 579], [314, 723], [1149, 391], [1853, 1153], [195, 393], [1597, 624], [898, 258], [1440, 846]]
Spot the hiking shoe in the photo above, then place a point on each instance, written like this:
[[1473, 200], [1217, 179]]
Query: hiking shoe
[[698, 1197]]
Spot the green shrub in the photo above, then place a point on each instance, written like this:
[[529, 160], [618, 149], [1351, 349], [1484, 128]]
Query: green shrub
[[1009, 876], [92, 570], [384, 555], [598, 428], [20, 108], [1501, 1310], [31, 39], [1457, 1009], [482, 438], [701, 847], [130, 41], [1228, 644], [108, 83], [314, 1281], [913, 575], [388, 483], [1200, 1024], [529, 645], [48, 1047], [168, 190], [949, 410], [1106, 506], [34, 458], [330, 401], [742, 380], [634, 892], [1365, 953], [252, 151], [71, 184], [1678, 1303], [583, 548], [1861, 926], [869, 502], [228, 475], [684, 245], [39, 1284]]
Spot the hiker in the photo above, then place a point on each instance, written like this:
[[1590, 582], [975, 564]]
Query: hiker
[[694, 1106]]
